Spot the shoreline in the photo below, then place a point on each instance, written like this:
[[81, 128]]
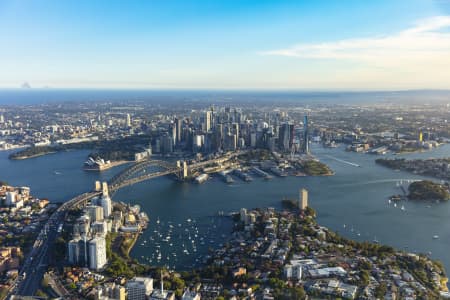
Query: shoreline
[[32, 156]]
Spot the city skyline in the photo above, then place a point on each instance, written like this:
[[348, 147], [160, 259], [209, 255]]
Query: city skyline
[[226, 45]]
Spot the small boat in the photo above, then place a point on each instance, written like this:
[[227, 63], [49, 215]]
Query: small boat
[[435, 237], [157, 221], [403, 208]]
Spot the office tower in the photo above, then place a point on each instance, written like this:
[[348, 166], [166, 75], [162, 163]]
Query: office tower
[[208, 120], [128, 120], [11, 198], [284, 137], [271, 143], [218, 136], [157, 146], [243, 214], [198, 142], [73, 248], [97, 253], [173, 133], [82, 225], [303, 199], [139, 288], [106, 203], [82, 252], [178, 127], [2, 119], [230, 143], [241, 143], [305, 136], [236, 129], [95, 212], [99, 228], [253, 140], [166, 144]]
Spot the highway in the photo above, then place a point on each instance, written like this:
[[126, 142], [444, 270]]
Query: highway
[[36, 262]]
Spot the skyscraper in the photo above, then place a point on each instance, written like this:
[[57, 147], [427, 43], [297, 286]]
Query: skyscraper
[[178, 128], [305, 144], [284, 137], [74, 251], [95, 212], [303, 199], [97, 253], [128, 120], [139, 288], [208, 120]]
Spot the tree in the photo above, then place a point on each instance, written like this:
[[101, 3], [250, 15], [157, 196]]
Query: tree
[[381, 290], [364, 277]]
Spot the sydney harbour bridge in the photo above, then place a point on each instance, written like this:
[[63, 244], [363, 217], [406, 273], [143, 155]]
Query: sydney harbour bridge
[[135, 173]]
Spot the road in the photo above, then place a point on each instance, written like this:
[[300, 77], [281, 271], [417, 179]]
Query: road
[[36, 262]]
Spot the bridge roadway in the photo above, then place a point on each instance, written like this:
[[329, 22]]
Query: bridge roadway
[[32, 272], [124, 178], [36, 262]]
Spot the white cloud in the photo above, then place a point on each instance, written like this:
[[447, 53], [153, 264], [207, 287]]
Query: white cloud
[[421, 43], [418, 57]]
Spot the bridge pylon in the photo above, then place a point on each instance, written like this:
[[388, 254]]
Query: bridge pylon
[[184, 170]]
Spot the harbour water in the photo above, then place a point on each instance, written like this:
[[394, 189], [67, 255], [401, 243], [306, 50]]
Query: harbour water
[[184, 222]]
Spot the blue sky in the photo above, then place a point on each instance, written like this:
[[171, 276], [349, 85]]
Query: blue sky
[[340, 44]]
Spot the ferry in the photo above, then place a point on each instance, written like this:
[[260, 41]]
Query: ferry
[[201, 178], [261, 173], [227, 178], [277, 171], [242, 175]]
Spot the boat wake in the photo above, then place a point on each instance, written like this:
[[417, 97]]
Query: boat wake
[[343, 161]]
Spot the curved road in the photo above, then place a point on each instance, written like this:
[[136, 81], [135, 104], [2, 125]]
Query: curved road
[[32, 272]]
